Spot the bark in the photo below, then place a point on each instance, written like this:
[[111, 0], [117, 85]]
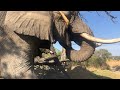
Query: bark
[[63, 54]]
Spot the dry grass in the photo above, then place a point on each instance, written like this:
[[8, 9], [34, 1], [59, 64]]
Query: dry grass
[[112, 63], [82, 73], [105, 73]]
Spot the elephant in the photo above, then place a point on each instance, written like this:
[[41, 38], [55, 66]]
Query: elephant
[[22, 33]]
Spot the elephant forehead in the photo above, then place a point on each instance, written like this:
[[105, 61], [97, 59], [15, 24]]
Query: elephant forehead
[[31, 23]]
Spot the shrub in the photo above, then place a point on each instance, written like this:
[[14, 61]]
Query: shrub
[[98, 60]]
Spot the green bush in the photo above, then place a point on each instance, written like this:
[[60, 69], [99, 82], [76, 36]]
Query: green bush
[[98, 60]]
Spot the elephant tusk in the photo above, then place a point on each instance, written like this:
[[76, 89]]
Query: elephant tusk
[[94, 39], [64, 17]]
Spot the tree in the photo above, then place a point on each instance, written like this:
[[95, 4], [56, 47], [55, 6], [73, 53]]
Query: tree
[[58, 52], [63, 54], [103, 54], [98, 60], [115, 57]]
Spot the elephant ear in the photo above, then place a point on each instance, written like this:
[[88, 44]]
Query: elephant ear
[[2, 17], [30, 23]]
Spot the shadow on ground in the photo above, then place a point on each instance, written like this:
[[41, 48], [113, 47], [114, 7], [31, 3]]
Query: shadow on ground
[[82, 73], [55, 72]]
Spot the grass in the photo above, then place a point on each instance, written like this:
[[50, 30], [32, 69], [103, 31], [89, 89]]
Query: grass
[[82, 73], [77, 72], [105, 73], [112, 63], [96, 73]]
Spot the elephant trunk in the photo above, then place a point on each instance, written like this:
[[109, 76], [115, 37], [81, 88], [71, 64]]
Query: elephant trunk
[[87, 49]]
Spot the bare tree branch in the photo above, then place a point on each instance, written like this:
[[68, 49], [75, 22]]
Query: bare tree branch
[[108, 13], [111, 16], [82, 17], [98, 13]]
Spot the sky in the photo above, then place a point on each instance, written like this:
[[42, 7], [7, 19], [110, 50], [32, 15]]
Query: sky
[[102, 27]]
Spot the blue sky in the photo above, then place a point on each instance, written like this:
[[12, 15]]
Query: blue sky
[[102, 27]]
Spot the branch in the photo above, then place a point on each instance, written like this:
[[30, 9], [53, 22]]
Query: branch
[[98, 13], [108, 13], [111, 16], [82, 17]]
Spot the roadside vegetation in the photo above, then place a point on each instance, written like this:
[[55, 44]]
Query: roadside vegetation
[[102, 65]]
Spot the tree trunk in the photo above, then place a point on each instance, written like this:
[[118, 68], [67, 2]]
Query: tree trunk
[[63, 54]]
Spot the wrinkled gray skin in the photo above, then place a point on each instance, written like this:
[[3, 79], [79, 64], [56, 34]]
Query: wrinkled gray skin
[[22, 33]]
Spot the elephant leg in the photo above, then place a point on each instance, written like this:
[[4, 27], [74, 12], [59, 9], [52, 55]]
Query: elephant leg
[[14, 67], [16, 57]]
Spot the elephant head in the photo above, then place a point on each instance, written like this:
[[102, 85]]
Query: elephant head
[[71, 28]]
